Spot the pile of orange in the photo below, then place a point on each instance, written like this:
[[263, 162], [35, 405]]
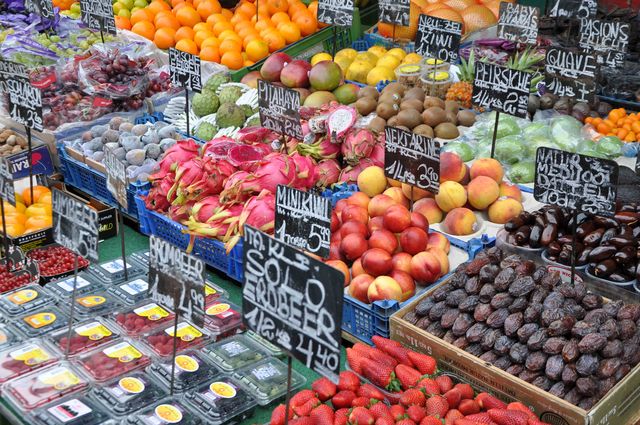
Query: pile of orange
[[26, 216], [235, 38], [619, 123]]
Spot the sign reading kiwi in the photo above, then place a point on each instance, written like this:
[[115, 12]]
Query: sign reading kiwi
[[412, 159], [336, 12], [577, 9], [395, 12], [571, 73], [608, 39], [501, 89], [518, 23], [438, 38]]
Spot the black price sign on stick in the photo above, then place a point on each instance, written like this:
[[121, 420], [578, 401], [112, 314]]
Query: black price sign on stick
[[336, 12], [438, 38], [502, 89], [608, 39], [117, 181], [412, 159], [25, 101], [184, 69], [7, 190], [579, 9], [75, 225], [518, 23], [394, 12], [293, 301], [571, 73], [303, 220], [44, 8], [279, 109], [98, 15]]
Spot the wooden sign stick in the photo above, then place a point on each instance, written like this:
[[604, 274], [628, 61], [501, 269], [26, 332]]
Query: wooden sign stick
[[5, 240], [73, 304], [30, 153], [495, 133], [288, 397], [175, 345]]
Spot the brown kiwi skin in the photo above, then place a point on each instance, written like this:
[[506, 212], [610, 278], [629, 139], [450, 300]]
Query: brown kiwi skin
[[390, 98], [368, 92], [451, 105], [377, 124], [366, 105], [393, 121], [394, 88], [412, 104], [409, 118], [387, 110], [447, 131], [415, 93], [452, 117], [402, 127], [430, 101], [466, 118], [433, 116], [424, 130]]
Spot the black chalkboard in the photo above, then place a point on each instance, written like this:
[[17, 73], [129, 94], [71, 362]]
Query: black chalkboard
[[75, 225], [608, 39], [412, 159], [184, 69], [578, 9], [395, 12], [24, 100], [279, 109], [575, 181], [117, 182], [336, 12], [571, 73], [502, 89], [303, 220], [293, 301], [7, 190], [518, 23], [438, 38], [98, 15], [638, 163], [176, 280], [44, 8]]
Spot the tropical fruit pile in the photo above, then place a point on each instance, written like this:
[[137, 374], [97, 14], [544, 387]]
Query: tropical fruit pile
[[374, 65], [28, 216]]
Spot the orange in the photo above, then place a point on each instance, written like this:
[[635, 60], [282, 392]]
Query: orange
[[274, 39], [249, 38], [145, 29], [263, 24], [232, 60], [164, 38], [635, 127], [178, 7], [207, 8], [188, 16], [244, 32], [242, 25], [247, 9], [174, 3], [313, 9], [210, 53], [229, 34], [215, 18], [210, 42], [201, 36], [257, 50], [280, 17], [290, 32], [307, 24], [248, 63], [141, 15], [184, 33], [230, 45], [38, 191], [122, 22], [220, 27], [157, 6], [603, 128], [166, 21], [202, 26], [188, 46], [275, 6], [227, 13]]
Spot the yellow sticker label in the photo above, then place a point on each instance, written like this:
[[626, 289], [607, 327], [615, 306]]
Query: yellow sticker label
[[131, 385], [168, 413], [94, 331], [91, 300], [208, 290], [124, 352], [186, 332], [187, 363], [152, 312], [22, 297], [59, 377], [30, 354], [216, 309], [222, 389], [39, 320]]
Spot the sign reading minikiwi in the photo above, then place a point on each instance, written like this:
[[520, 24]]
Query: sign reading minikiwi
[[518, 23], [438, 38]]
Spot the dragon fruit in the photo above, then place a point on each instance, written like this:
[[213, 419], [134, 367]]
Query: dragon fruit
[[357, 145], [327, 173], [256, 135], [187, 175], [277, 168], [305, 171], [350, 174], [221, 225], [321, 149], [180, 213], [206, 208], [181, 152], [219, 147], [377, 154], [245, 157], [340, 121], [258, 212], [158, 198]]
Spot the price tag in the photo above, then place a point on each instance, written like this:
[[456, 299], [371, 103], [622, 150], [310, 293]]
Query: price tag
[[412, 159], [184, 69], [571, 73], [303, 220], [438, 38], [608, 39], [336, 12], [279, 109], [7, 190], [575, 181], [518, 23], [25, 101], [75, 225], [500, 88], [98, 15], [44, 8], [395, 12], [117, 181], [579, 9], [176, 280], [293, 301]]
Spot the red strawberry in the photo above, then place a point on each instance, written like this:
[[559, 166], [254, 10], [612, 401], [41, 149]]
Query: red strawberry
[[379, 410], [400, 354], [385, 420], [480, 418], [413, 397], [453, 397], [451, 416], [375, 354], [508, 417], [516, 405], [425, 364], [343, 399], [380, 375], [369, 391], [431, 420], [305, 420], [464, 421], [324, 388], [466, 391], [361, 416], [306, 408], [322, 415], [430, 386], [445, 383], [354, 360], [277, 416], [437, 406], [405, 421], [360, 401], [468, 407], [407, 376], [341, 417], [301, 398], [536, 422], [383, 343], [397, 412], [490, 402], [416, 413], [348, 381]]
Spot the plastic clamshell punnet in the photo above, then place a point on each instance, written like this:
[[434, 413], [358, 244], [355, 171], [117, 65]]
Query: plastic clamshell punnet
[[63, 288], [192, 368], [132, 291], [26, 357], [93, 304], [221, 401], [23, 300], [167, 411], [85, 336], [222, 318], [131, 392], [234, 352], [142, 318], [267, 380], [112, 272], [77, 410], [8, 336], [114, 360], [40, 322], [161, 340]]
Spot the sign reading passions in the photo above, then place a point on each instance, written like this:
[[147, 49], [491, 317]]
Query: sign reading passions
[[176, 280], [608, 39], [395, 12], [571, 73], [117, 181], [279, 109], [75, 225], [25, 101], [500, 88], [412, 159], [518, 23], [293, 301], [438, 38], [336, 12], [184, 69], [575, 181], [98, 15], [303, 220], [578, 9]]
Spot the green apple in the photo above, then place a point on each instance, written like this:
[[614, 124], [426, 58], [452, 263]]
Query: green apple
[[124, 13], [117, 7], [128, 4], [140, 3]]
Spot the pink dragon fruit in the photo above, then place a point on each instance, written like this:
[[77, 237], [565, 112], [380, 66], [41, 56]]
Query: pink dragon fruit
[[256, 135], [187, 175], [377, 154], [180, 213], [181, 152], [357, 145], [245, 157], [258, 212], [158, 197], [291, 144], [327, 173], [340, 121], [277, 168], [206, 208], [321, 149], [219, 147], [305, 171], [350, 174], [221, 225]]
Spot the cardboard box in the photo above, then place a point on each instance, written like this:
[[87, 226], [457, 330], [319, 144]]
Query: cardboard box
[[619, 407]]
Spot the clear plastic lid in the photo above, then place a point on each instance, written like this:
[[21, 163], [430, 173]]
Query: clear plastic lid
[[129, 393], [114, 360], [24, 299], [189, 336], [85, 336], [25, 358], [63, 288], [44, 386], [213, 292], [80, 410], [112, 272], [142, 318], [9, 336], [221, 401], [271, 349], [92, 304], [267, 380], [132, 291], [222, 318], [141, 258], [191, 369], [40, 322], [234, 352], [167, 411]]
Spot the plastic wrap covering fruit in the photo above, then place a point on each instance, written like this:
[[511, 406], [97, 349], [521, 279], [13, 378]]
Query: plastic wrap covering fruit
[[222, 318], [40, 322], [129, 393], [168, 411], [73, 411], [191, 370], [85, 336], [23, 300], [24, 358], [142, 318], [221, 401], [235, 352], [267, 380], [188, 336], [114, 360]]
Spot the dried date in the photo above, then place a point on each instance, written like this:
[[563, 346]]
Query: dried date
[[587, 364], [482, 312], [461, 343], [519, 304], [522, 286], [486, 293], [518, 353], [539, 274], [570, 352], [469, 304], [494, 254], [423, 323], [454, 298], [584, 328], [561, 327], [512, 260], [512, 323], [626, 329], [550, 281], [449, 337], [526, 331], [559, 389], [554, 345], [551, 315], [449, 318], [489, 357], [592, 301], [475, 349], [592, 343], [581, 290], [474, 266], [612, 308], [613, 348], [473, 285], [458, 279], [609, 329], [440, 294], [528, 376], [503, 344], [597, 316], [503, 363], [554, 367], [423, 307], [488, 273], [532, 313], [462, 324], [504, 279], [542, 382], [566, 289], [526, 268], [629, 311], [587, 403], [536, 361], [538, 295], [515, 369], [411, 317], [608, 367], [537, 340], [553, 301], [497, 318], [587, 386], [573, 396], [569, 374], [436, 330], [575, 310], [630, 353], [605, 385], [501, 300], [622, 372], [437, 310], [489, 338], [476, 332]]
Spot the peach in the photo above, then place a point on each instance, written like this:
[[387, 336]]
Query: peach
[[384, 288], [342, 266], [504, 209], [451, 195], [335, 222], [394, 183], [429, 208], [451, 167], [396, 194], [488, 167], [510, 190], [356, 268], [376, 262], [379, 205], [467, 175], [439, 240], [397, 218], [420, 221], [355, 212], [335, 253], [375, 223], [359, 198], [402, 261], [460, 222], [359, 286], [425, 267], [417, 192], [413, 240], [353, 227], [406, 282], [383, 239], [353, 246], [482, 191], [442, 257]]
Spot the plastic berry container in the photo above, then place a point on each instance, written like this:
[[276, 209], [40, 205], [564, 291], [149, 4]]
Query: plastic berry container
[[80, 410], [112, 272], [141, 259], [85, 336], [265, 345], [24, 300], [213, 292], [25, 358], [409, 74], [64, 288], [142, 318], [41, 321], [44, 386], [192, 368], [436, 83], [234, 352], [188, 336], [167, 411], [114, 360], [267, 380], [8, 337], [433, 64], [94, 304], [131, 292], [222, 401], [131, 392], [222, 319]]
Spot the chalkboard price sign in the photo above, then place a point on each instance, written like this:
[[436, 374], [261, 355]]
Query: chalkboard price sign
[[25, 101], [336, 12], [279, 109], [578, 9], [412, 159], [438, 38], [44, 8], [293, 301], [184, 69], [395, 12], [571, 73], [500, 88], [75, 225], [608, 39], [176, 280], [98, 15], [303, 220], [117, 181], [518, 23], [7, 190], [575, 181]]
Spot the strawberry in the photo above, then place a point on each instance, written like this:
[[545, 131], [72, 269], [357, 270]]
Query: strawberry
[[322, 415], [490, 402], [464, 421], [341, 417], [516, 405], [380, 375], [361, 416], [397, 412], [375, 354], [369, 391], [466, 391], [425, 364], [383, 343], [453, 397], [437, 406], [354, 360], [343, 399], [400, 354], [360, 401], [430, 386], [445, 383], [301, 398], [380, 410], [468, 407], [324, 388], [452, 415], [301, 421], [405, 421], [508, 417], [431, 420], [348, 381], [277, 416], [385, 420], [306, 408], [480, 418], [413, 397], [407, 376], [416, 413]]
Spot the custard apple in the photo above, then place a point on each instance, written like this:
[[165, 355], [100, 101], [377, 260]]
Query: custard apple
[[230, 115], [230, 94], [205, 103], [206, 131]]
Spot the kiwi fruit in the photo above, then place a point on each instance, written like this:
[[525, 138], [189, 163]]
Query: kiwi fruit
[[415, 104], [415, 93], [433, 116], [368, 91], [452, 117], [387, 110], [446, 130], [394, 88], [451, 105], [390, 98], [424, 130], [402, 127], [466, 118], [430, 101], [366, 105], [393, 121], [409, 118], [377, 125]]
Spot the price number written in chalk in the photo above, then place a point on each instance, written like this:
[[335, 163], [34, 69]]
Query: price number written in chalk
[[279, 109], [609, 40], [578, 9], [395, 12], [24, 100], [7, 189], [75, 225], [438, 38], [184, 69], [412, 159], [518, 23], [44, 8], [117, 181], [502, 89], [571, 73], [336, 12], [98, 15]]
